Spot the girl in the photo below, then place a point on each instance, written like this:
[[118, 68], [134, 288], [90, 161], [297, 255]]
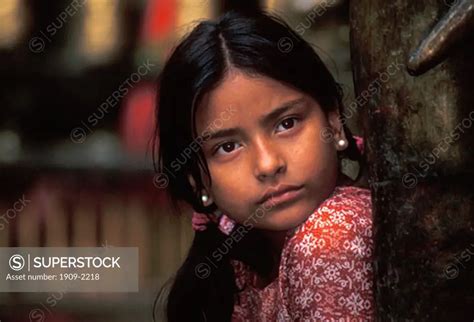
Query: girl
[[250, 125]]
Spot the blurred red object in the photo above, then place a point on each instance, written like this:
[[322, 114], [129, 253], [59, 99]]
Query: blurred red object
[[137, 119], [159, 21]]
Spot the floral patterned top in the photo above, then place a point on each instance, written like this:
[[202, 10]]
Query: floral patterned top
[[326, 269]]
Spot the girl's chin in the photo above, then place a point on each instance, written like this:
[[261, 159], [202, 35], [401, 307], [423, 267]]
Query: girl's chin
[[285, 218]]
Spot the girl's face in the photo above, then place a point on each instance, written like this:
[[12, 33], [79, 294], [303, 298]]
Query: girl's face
[[266, 137]]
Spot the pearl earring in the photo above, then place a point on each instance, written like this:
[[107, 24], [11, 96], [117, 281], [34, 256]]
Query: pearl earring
[[342, 143], [204, 198]]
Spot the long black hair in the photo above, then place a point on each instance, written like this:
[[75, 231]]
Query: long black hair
[[257, 44]]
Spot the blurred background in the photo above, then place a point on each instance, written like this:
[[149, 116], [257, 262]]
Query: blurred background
[[76, 121]]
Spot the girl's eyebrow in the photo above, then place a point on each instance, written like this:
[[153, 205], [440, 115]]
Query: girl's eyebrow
[[224, 133], [270, 117], [263, 121]]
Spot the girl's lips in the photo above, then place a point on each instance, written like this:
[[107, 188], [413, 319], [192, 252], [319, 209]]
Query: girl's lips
[[286, 197]]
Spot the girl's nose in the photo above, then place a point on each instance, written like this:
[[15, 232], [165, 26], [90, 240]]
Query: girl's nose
[[268, 160]]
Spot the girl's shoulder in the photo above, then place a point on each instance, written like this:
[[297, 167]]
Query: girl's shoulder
[[349, 194], [347, 207], [329, 257], [346, 198]]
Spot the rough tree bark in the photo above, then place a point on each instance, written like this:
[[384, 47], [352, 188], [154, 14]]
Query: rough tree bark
[[419, 134]]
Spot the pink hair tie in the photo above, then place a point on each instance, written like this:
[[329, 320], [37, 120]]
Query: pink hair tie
[[200, 222], [360, 143], [226, 224]]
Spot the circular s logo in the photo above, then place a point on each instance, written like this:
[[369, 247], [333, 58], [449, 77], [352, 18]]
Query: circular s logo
[[17, 262]]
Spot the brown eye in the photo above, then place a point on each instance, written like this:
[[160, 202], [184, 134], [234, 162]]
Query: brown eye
[[226, 148], [287, 123]]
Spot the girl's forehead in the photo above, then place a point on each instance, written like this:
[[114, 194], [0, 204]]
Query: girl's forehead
[[246, 96]]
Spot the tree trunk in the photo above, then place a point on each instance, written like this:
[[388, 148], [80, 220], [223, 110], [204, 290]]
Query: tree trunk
[[419, 142]]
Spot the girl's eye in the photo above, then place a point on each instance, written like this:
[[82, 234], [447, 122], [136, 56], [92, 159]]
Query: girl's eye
[[225, 148], [287, 123]]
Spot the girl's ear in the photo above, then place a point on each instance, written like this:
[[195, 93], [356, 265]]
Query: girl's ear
[[205, 197], [338, 129]]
